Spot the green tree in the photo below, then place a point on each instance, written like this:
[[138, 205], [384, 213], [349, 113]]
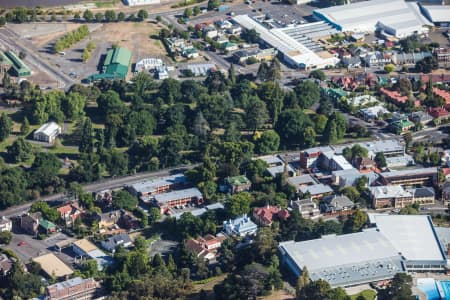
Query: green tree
[[355, 221], [20, 150], [25, 126], [142, 14], [188, 12], [351, 192], [5, 126], [256, 114], [399, 289], [120, 17], [196, 11], [264, 245], [239, 204], [380, 160], [302, 281], [5, 237], [88, 16], [307, 93], [73, 105], [291, 126], [318, 74], [124, 199], [86, 144], [110, 16], [389, 68], [154, 215], [330, 134], [98, 17], [268, 142]]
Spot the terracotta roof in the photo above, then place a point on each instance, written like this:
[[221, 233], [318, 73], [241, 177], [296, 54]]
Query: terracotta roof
[[443, 94], [438, 112]]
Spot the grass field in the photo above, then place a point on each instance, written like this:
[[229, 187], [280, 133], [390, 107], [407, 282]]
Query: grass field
[[367, 294]]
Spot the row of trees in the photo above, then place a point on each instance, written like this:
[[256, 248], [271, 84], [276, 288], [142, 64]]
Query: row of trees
[[110, 16], [71, 38]]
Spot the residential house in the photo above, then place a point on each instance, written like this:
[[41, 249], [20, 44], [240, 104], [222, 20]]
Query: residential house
[[347, 83], [373, 113], [30, 223], [128, 220], [443, 56], [365, 164], [47, 132], [336, 204], [107, 219], [112, 243], [422, 176], [316, 191], [445, 157], [351, 62], [210, 32], [307, 208], [70, 212], [421, 117], [439, 113], [377, 59], [6, 264], [229, 46], [264, 216], [104, 198], [190, 52], [47, 226], [5, 224], [178, 199], [75, 288], [241, 226], [335, 94], [401, 126], [409, 58], [236, 184], [390, 196], [224, 24], [396, 97], [309, 158], [363, 100], [444, 95], [206, 247], [234, 30]]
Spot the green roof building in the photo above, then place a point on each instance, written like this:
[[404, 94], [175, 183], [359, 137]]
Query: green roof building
[[401, 126], [115, 66], [19, 68], [47, 225], [335, 94], [237, 184]]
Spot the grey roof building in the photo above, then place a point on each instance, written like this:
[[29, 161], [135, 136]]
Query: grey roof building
[[112, 243], [334, 203], [316, 190]]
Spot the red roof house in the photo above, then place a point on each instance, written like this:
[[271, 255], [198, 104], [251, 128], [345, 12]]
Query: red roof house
[[265, 215], [205, 247], [442, 94], [396, 97], [438, 112], [70, 212]]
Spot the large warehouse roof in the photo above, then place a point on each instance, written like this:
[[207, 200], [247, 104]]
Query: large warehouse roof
[[437, 13], [295, 52], [413, 236], [396, 16], [346, 259], [52, 265]]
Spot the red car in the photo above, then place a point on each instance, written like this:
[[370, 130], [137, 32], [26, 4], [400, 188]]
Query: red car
[[21, 243]]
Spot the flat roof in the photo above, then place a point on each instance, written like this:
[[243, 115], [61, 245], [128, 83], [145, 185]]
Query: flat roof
[[175, 195], [151, 185], [421, 171], [389, 191], [316, 189], [301, 180], [52, 265], [437, 13], [366, 16], [412, 235], [346, 259], [85, 245]]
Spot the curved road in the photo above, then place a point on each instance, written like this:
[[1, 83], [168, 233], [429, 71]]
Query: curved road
[[105, 184]]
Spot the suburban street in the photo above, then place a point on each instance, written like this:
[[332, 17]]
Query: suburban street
[[105, 184]]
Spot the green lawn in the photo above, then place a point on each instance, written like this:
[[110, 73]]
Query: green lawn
[[367, 294]]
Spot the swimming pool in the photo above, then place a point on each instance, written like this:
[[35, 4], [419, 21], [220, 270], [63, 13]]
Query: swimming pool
[[428, 286], [445, 284]]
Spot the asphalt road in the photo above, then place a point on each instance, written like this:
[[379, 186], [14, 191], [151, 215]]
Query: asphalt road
[[111, 183]]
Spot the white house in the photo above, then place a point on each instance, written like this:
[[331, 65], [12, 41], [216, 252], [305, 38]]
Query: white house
[[5, 224], [47, 132], [241, 226]]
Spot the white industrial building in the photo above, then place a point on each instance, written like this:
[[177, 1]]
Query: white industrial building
[[295, 49], [47, 132], [396, 243], [148, 64], [438, 14], [393, 17], [140, 2]]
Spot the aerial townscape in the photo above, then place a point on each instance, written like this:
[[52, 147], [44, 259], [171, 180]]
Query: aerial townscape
[[225, 149]]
